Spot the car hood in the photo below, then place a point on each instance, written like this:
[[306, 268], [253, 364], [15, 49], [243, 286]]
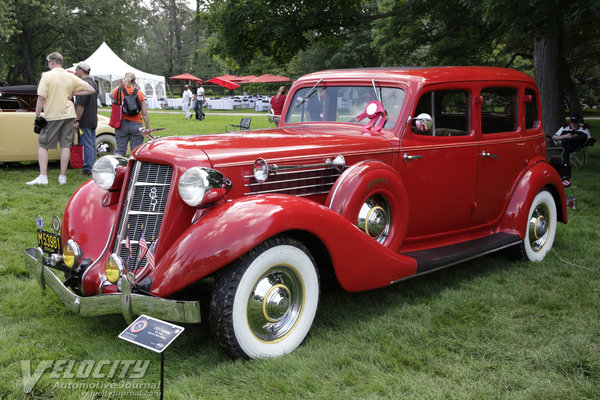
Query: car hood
[[278, 144]]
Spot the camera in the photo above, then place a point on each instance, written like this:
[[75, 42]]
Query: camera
[[39, 124]]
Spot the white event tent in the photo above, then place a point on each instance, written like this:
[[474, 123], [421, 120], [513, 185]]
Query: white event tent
[[108, 68]]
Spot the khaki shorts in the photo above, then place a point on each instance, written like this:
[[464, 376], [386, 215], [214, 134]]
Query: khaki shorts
[[60, 131]]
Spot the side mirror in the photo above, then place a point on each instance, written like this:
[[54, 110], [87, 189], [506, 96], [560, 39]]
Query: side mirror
[[423, 122]]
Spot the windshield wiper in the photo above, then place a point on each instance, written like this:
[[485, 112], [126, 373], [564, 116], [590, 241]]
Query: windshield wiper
[[310, 93]]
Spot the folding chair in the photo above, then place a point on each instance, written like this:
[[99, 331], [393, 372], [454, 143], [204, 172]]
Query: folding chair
[[243, 126], [579, 156]]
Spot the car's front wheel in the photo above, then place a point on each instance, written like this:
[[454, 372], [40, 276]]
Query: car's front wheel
[[263, 305], [541, 228]]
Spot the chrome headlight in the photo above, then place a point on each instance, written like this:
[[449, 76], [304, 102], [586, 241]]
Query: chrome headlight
[[113, 269], [104, 171], [200, 186]]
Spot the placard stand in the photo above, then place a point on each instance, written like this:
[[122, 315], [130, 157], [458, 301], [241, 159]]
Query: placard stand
[[154, 335]]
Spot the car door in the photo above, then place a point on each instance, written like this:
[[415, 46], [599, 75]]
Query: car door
[[502, 151], [438, 163], [18, 141]]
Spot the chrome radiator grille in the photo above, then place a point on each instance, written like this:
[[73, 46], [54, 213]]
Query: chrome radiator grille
[[143, 209], [297, 183]]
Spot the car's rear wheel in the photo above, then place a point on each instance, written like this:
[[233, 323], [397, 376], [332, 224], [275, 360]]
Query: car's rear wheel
[[263, 305], [541, 228], [106, 144]]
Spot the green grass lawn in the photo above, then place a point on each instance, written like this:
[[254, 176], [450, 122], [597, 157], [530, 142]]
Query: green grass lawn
[[489, 328], [175, 123]]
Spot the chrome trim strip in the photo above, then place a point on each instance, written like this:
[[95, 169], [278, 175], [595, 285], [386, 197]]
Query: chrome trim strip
[[127, 207], [150, 184], [386, 150], [293, 172], [106, 246], [297, 195], [293, 188], [143, 213], [129, 304]]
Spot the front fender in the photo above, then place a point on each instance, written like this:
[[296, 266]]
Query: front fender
[[90, 224], [540, 176], [234, 228]]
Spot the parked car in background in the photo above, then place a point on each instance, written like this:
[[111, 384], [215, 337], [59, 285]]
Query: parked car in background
[[18, 141], [373, 176]]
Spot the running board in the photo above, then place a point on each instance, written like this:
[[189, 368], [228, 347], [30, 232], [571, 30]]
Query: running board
[[441, 257]]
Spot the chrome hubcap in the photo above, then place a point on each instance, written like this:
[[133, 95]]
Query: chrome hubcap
[[539, 227], [103, 149], [374, 217], [275, 303]]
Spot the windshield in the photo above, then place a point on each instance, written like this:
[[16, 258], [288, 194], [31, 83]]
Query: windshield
[[342, 104]]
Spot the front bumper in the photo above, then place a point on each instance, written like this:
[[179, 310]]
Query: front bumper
[[127, 303]]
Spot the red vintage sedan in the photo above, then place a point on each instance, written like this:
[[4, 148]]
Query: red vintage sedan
[[372, 176]]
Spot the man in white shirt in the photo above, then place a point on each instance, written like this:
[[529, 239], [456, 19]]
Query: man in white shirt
[[571, 136], [199, 101], [186, 102]]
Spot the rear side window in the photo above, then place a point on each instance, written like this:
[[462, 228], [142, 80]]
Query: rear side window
[[449, 111], [531, 110], [499, 110]]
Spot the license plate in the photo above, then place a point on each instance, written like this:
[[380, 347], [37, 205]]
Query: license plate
[[49, 242]]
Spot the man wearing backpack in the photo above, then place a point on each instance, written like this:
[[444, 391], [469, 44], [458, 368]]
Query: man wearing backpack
[[134, 108]]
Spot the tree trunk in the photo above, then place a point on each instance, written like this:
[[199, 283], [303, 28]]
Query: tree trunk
[[570, 91], [547, 53]]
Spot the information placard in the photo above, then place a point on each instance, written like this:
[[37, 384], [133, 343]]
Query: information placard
[[151, 333]]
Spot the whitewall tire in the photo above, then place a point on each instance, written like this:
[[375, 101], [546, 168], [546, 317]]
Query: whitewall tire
[[264, 304], [541, 227]]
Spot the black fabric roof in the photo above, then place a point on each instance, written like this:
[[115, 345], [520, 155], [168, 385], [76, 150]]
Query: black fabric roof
[[18, 90]]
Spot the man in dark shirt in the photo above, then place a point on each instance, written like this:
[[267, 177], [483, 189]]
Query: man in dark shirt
[[86, 108]]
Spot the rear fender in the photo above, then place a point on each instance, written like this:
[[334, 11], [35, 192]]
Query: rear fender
[[232, 229], [538, 177]]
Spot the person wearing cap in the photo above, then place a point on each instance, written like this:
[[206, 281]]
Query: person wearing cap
[[129, 132], [86, 108], [55, 91], [571, 136]]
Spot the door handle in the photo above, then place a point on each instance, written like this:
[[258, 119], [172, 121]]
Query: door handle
[[485, 154], [406, 157]]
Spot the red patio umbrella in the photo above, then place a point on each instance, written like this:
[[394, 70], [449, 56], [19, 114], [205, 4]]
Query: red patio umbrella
[[186, 77], [247, 78], [217, 80], [232, 78], [266, 78]]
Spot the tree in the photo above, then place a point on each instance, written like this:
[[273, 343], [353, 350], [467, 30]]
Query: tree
[[74, 28], [530, 34]]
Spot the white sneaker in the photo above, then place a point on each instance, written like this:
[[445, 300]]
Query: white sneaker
[[62, 179], [40, 180]]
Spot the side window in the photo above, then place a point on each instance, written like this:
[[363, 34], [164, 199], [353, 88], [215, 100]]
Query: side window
[[499, 110], [449, 111], [531, 111]]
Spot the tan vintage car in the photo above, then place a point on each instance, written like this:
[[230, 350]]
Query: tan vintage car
[[18, 141]]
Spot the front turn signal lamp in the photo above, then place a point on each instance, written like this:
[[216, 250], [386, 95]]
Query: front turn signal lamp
[[113, 269], [71, 254]]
